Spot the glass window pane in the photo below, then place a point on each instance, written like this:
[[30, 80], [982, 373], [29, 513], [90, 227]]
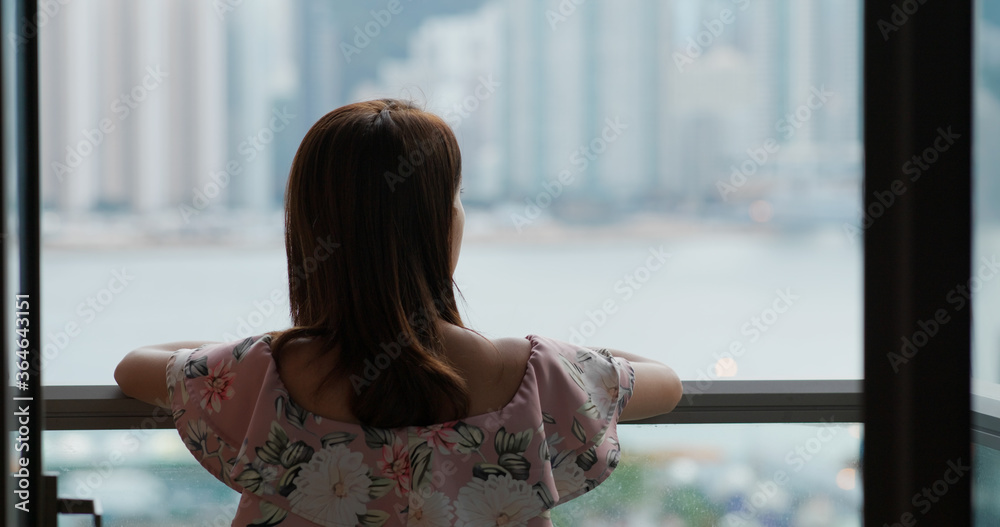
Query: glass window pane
[[140, 478], [679, 179], [986, 248], [747, 475], [986, 486], [986, 185]]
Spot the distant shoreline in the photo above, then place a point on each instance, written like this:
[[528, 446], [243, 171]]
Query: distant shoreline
[[109, 233]]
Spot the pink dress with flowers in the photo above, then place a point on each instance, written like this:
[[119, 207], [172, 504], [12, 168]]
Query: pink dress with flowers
[[555, 440]]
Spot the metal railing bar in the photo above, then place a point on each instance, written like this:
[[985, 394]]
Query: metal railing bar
[[105, 408]]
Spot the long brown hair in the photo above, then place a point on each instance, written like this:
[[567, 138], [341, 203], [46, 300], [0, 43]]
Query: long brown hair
[[378, 178]]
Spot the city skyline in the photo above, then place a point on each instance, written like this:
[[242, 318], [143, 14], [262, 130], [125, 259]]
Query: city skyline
[[744, 100]]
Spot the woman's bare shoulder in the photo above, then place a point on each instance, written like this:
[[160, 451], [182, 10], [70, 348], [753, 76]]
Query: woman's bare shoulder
[[476, 350], [494, 366], [517, 348]]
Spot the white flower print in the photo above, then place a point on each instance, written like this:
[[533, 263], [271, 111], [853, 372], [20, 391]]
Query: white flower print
[[197, 434], [432, 511], [268, 475], [569, 478], [332, 487], [500, 500], [600, 380], [175, 374], [553, 441]]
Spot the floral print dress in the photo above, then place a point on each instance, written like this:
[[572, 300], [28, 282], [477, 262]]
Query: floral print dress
[[554, 441]]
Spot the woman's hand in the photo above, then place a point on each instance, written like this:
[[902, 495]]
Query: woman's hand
[[142, 374]]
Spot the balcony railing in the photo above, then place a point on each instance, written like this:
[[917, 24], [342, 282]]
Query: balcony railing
[[733, 402], [105, 408]]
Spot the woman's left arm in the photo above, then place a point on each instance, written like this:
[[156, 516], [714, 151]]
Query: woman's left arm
[[142, 373]]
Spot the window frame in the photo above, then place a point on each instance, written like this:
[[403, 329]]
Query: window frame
[[917, 79]]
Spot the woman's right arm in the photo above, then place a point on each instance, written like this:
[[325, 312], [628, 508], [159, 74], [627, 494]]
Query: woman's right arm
[[657, 388]]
